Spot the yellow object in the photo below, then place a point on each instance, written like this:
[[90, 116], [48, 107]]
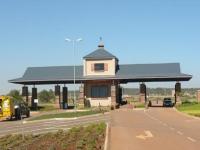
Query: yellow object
[[6, 107]]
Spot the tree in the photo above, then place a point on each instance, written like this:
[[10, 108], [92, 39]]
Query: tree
[[46, 96], [15, 94]]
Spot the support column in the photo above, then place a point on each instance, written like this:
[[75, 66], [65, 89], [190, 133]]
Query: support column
[[81, 95], [34, 96], [65, 97], [119, 95], [143, 93], [113, 96], [25, 93], [57, 94], [198, 96], [177, 93]]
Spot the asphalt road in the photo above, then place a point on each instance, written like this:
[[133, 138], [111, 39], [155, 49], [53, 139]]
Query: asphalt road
[[36, 127], [154, 129]]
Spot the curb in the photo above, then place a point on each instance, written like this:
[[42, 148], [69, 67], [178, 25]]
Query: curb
[[185, 114], [52, 119], [139, 109], [106, 139], [57, 119]]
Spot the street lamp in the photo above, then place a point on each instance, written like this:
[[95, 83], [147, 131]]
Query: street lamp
[[73, 42]]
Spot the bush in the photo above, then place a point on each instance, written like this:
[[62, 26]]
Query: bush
[[15, 94], [186, 102], [46, 96]]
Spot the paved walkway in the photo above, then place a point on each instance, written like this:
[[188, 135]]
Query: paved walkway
[[154, 129]]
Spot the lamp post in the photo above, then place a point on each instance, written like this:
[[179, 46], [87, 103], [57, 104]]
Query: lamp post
[[73, 43]]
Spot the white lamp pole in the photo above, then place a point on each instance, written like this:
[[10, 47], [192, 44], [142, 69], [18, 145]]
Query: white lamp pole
[[73, 42]]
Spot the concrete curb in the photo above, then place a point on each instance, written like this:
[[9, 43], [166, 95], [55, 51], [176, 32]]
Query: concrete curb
[[139, 109], [185, 114], [106, 139], [58, 119], [52, 119]]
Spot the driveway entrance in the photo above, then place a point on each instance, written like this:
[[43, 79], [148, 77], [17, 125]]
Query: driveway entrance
[[153, 129]]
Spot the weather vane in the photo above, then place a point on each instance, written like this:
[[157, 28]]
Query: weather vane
[[100, 38]]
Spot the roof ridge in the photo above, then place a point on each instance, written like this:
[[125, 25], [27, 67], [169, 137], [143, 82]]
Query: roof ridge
[[100, 53], [150, 63], [55, 66]]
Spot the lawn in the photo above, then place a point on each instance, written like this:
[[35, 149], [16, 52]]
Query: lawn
[[191, 108], [90, 137], [139, 105], [66, 115]]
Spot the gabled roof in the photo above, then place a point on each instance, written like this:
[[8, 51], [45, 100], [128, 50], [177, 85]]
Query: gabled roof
[[125, 73], [159, 69], [100, 53]]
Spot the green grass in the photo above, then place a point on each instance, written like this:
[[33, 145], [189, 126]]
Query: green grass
[[45, 107], [139, 105], [66, 115], [89, 137], [191, 108]]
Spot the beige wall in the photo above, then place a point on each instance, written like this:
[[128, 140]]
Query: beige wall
[[102, 102], [87, 71]]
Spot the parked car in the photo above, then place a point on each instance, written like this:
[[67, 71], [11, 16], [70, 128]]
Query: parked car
[[167, 102]]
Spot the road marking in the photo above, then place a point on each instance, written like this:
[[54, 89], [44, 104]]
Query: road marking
[[164, 124], [61, 119], [171, 128], [180, 133], [24, 122], [191, 139], [148, 134]]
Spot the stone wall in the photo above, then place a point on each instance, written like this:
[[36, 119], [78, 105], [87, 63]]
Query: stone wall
[[198, 96]]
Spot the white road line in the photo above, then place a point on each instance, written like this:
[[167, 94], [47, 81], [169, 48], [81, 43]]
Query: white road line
[[155, 119], [171, 128], [191, 139], [180, 133], [164, 124]]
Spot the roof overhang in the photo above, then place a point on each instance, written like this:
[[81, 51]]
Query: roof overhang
[[88, 78], [126, 73]]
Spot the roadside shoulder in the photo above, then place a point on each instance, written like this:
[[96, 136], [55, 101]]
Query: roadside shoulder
[[185, 114]]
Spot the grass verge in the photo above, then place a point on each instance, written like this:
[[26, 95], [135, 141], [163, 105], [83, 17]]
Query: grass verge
[[191, 108], [66, 115], [140, 105], [90, 137]]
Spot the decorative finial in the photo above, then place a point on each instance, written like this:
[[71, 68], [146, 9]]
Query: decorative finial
[[101, 45]]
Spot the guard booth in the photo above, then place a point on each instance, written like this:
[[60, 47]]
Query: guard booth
[[100, 77]]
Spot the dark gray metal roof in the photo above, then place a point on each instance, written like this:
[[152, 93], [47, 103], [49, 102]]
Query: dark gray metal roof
[[125, 73], [100, 53]]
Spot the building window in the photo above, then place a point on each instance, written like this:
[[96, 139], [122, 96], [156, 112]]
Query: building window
[[99, 67], [99, 91]]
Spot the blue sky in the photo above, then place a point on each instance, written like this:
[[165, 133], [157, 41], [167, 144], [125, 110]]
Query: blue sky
[[32, 33]]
